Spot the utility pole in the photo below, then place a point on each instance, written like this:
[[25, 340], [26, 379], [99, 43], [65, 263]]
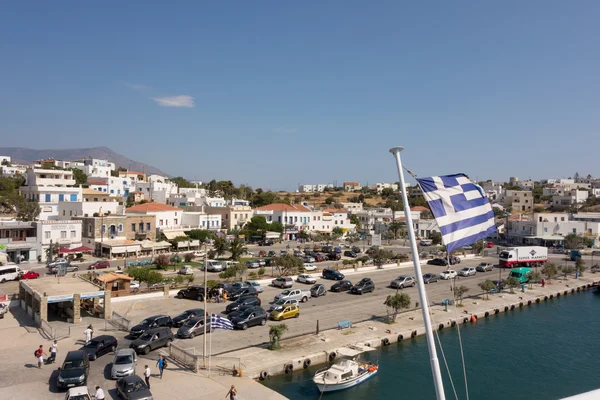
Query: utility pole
[[101, 232]]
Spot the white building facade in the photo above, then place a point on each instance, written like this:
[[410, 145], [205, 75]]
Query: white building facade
[[64, 233], [49, 188]]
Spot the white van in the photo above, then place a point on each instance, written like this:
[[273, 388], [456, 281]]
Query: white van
[[10, 272], [186, 270], [228, 264], [212, 266]]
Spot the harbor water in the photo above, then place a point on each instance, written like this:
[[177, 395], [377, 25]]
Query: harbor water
[[543, 351]]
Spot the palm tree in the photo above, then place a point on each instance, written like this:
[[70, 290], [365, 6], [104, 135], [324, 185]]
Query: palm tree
[[237, 248], [220, 246]]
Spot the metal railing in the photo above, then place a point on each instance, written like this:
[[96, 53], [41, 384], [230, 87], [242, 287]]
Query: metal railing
[[186, 357], [55, 332], [120, 322]]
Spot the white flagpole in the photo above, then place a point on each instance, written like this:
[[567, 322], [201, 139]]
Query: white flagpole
[[435, 366], [209, 346]]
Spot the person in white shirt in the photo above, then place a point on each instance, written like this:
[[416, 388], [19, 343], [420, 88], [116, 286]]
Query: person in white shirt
[[147, 376], [88, 334], [99, 393]]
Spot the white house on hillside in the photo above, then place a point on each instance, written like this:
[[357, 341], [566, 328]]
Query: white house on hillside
[[49, 187], [167, 217]]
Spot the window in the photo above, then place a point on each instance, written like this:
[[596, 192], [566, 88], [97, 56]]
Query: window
[[64, 212], [562, 219], [574, 230], [203, 223], [61, 197], [132, 227], [71, 213], [175, 221], [234, 216], [63, 234], [148, 226], [160, 222], [73, 197], [89, 231], [47, 198], [120, 227], [279, 218], [47, 235], [73, 234]]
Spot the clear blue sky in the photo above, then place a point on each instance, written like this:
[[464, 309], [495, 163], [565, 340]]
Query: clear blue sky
[[276, 93]]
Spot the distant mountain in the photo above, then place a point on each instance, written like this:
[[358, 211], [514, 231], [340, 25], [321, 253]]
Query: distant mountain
[[26, 156]]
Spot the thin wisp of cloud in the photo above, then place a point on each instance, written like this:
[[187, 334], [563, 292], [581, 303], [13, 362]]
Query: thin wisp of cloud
[[175, 101]]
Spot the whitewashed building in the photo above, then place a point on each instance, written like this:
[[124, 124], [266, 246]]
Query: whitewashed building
[[310, 188], [50, 187], [167, 217], [67, 210], [569, 198], [94, 167], [379, 186], [64, 233]]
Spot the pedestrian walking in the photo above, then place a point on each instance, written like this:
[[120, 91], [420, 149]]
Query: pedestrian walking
[[147, 376], [53, 348], [219, 294], [39, 354], [161, 364], [89, 332], [543, 282], [232, 393], [99, 393]]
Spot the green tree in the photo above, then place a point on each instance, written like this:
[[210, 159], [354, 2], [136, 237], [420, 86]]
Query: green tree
[[459, 293], [533, 277], [190, 278], [395, 228], [288, 264], [188, 257], [261, 198], [154, 277], [258, 223], [355, 220], [538, 192], [477, 247], [275, 334], [487, 287], [512, 283], [381, 257], [220, 245], [580, 266], [237, 248], [387, 192], [162, 261], [261, 271], [436, 237], [395, 303], [337, 231], [574, 241], [550, 271], [182, 182], [27, 210], [567, 270], [80, 176], [330, 200], [201, 234], [276, 226]]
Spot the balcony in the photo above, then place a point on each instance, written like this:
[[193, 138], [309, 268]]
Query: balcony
[[18, 240]]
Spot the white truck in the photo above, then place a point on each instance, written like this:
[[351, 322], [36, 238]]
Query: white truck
[[522, 256], [294, 294]]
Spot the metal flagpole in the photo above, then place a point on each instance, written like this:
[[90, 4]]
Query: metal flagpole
[[205, 294], [209, 348], [435, 366]]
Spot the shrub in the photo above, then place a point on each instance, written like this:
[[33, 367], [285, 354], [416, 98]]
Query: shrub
[[162, 261], [179, 279], [190, 278], [188, 257], [211, 283], [261, 271], [252, 275]]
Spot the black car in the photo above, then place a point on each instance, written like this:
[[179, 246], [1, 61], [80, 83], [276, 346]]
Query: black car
[[185, 316], [241, 311], [74, 371], [332, 274], [99, 346], [152, 340], [430, 278], [333, 256], [341, 286], [150, 323], [271, 253], [363, 286], [350, 253], [132, 388], [243, 291], [250, 317], [243, 301], [192, 292], [438, 261], [454, 260], [318, 290]]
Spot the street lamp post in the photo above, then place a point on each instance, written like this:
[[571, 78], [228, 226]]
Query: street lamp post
[[101, 232]]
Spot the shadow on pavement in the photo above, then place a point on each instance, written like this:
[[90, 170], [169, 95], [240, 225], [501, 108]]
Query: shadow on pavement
[[52, 382]]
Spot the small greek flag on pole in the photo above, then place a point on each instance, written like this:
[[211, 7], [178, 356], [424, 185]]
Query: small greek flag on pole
[[217, 322], [461, 209]]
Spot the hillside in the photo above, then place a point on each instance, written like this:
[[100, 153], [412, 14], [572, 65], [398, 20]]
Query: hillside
[[26, 156], [341, 197]]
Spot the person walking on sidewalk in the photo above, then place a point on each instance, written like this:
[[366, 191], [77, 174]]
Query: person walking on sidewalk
[[161, 364], [89, 332], [99, 393], [147, 376], [53, 348], [39, 354], [232, 393]]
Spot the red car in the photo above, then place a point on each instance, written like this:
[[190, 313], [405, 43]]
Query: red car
[[30, 275], [100, 265], [489, 245]]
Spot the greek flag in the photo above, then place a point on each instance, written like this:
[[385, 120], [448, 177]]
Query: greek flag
[[217, 322], [461, 209]]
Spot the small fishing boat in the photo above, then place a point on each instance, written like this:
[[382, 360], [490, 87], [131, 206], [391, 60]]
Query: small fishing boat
[[345, 373]]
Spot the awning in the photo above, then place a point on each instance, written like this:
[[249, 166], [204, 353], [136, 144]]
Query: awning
[[149, 245], [173, 234], [125, 249], [64, 251], [273, 235], [559, 238], [82, 249]]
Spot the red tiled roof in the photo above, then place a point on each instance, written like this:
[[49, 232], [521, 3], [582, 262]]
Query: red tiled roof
[[335, 210], [419, 208], [96, 182], [130, 173], [351, 183], [283, 207], [151, 207]]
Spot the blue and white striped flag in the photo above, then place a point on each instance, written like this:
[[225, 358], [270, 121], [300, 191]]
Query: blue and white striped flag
[[461, 209], [217, 322]]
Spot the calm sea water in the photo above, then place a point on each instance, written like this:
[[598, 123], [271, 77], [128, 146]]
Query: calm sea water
[[544, 351]]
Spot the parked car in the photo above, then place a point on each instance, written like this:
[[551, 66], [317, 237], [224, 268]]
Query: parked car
[[241, 310], [152, 339], [123, 364], [198, 254], [67, 268], [306, 278], [193, 327], [454, 260], [467, 271], [192, 292], [350, 253], [242, 301], [133, 388], [430, 278], [484, 267], [310, 267], [186, 270], [282, 303], [297, 294], [252, 264], [332, 274], [426, 242], [243, 291], [438, 261], [298, 253], [318, 290], [261, 262], [102, 264], [30, 275], [468, 247], [256, 286], [365, 285], [212, 266], [489, 245], [289, 311], [185, 316], [250, 317], [448, 274], [57, 262], [341, 286], [78, 393], [282, 282], [155, 321], [74, 371], [356, 249], [271, 253], [333, 256], [402, 281], [99, 346]]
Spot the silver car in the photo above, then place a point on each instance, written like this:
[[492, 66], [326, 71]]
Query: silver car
[[281, 303], [192, 328], [123, 364], [256, 285], [467, 271], [402, 281]]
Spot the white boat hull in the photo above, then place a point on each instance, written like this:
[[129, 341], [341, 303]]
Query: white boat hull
[[344, 385]]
